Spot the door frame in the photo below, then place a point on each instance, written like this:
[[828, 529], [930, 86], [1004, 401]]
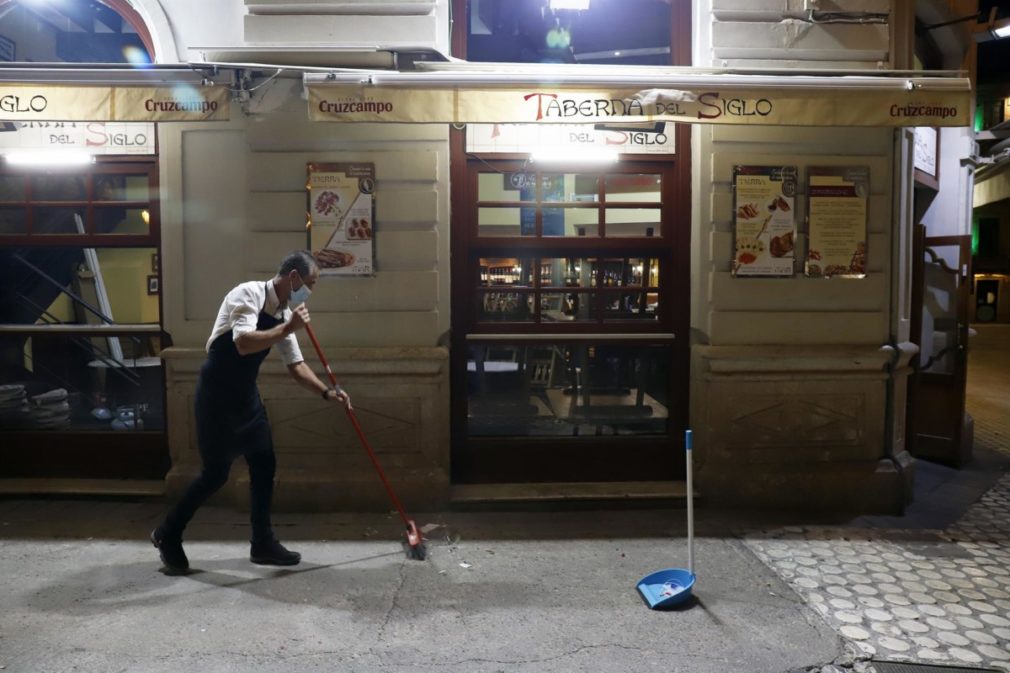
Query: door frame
[[955, 449], [507, 459]]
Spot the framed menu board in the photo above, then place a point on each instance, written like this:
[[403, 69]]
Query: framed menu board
[[764, 200], [341, 211], [836, 198]]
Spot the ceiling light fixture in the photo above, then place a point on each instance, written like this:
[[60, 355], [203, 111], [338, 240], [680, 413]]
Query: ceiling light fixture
[[49, 158], [982, 32], [570, 4], [595, 156]]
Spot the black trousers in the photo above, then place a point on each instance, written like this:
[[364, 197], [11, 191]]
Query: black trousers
[[214, 475]]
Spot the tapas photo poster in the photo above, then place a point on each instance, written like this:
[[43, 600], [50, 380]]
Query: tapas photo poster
[[764, 205], [341, 211], [836, 198]]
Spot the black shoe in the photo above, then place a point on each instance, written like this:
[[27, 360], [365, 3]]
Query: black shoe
[[270, 552], [170, 550]]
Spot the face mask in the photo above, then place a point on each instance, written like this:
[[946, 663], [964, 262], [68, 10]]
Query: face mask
[[299, 296]]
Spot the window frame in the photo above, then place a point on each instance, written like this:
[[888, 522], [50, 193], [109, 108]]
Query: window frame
[[663, 248], [119, 166]]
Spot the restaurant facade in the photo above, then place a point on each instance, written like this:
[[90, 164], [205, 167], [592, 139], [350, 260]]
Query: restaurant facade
[[535, 275]]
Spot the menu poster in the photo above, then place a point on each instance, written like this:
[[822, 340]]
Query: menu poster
[[837, 202], [341, 209], [764, 200]]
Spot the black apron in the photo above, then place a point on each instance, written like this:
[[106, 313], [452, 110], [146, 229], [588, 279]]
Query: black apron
[[230, 417]]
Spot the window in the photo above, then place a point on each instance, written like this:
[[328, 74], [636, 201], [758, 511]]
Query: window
[[80, 328], [569, 303], [592, 249]]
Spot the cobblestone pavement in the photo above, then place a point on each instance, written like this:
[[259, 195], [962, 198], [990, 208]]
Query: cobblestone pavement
[[936, 596]]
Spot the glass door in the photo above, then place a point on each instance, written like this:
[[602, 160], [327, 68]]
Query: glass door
[[937, 424], [569, 313]]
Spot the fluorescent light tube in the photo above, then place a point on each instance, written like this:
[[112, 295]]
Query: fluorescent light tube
[[1002, 31], [570, 4], [596, 156], [49, 158]]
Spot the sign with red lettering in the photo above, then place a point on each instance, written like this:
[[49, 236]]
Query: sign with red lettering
[[20, 102], [94, 137], [341, 210], [870, 106], [523, 138]]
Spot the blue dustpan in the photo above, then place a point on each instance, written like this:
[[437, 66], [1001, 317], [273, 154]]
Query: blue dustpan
[[666, 588], [670, 587]]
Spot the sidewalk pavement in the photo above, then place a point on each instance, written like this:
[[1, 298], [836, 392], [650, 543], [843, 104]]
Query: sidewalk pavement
[[932, 586], [519, 591], [527, 591]]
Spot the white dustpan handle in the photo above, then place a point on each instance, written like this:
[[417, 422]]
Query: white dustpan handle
[[690, 504]]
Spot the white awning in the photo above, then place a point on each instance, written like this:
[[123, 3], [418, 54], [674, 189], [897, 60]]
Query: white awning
[[32, 92], [458, 92]]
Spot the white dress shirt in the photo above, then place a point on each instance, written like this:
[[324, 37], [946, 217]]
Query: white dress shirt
[[240, 312]]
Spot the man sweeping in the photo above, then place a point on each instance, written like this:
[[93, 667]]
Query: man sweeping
[[230, 418]]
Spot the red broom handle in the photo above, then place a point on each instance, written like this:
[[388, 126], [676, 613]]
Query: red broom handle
[[357, 428]]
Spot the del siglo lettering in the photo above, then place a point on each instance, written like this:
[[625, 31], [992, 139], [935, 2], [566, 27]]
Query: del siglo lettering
[[636, 138], [98, 136], [714, 106], [203, 106], [552, 105], [13, 103]]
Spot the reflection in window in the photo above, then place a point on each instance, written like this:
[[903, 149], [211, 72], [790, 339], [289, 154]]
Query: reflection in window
[[628, 187], [571, 222], [74, 382], [633, 222], [77, 286], [557, 389], [505, 306], [506, 271], [567, 306], [630, 306], [47, 220], [570, 272]]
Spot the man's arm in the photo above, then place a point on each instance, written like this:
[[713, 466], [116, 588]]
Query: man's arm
[[259, 340], [307, 379]]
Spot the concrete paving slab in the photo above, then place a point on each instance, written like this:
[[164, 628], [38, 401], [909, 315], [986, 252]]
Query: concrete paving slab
[[543, 592]]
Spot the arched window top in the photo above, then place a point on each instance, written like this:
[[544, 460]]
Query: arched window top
[[73, 31]]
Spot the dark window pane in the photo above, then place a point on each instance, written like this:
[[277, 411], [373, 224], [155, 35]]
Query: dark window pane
[[12, 188], [639, 305], [47, 220], [567, 306], [630, 272], [66, 382], [113, 220], [59, 188], [121, 188], [13, 220], [558, 389]]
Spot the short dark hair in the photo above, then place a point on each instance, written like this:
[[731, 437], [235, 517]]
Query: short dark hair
[[301, 261]]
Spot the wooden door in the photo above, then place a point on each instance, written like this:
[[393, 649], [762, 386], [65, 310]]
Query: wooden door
[[937, 426]]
